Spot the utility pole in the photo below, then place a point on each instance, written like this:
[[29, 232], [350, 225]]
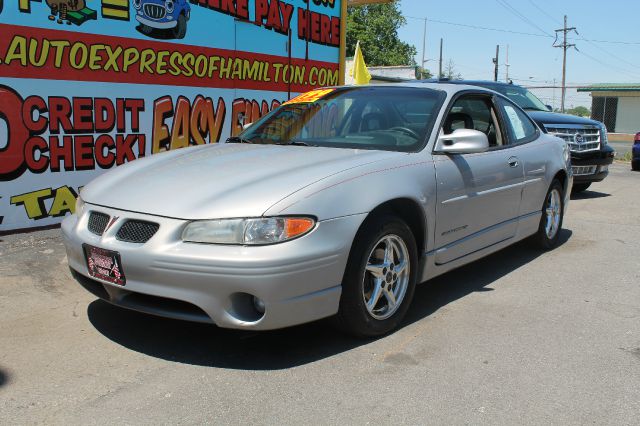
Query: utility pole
[[496, 64], [506, 65], [564, 47], [440, 72], [424, 44]]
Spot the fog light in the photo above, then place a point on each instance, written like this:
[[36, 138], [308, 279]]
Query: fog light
[[258, 304]]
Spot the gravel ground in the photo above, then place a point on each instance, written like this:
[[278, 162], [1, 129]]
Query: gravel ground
[[519, 337]]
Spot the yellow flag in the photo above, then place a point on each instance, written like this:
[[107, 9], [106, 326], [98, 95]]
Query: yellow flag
[[359, 72]]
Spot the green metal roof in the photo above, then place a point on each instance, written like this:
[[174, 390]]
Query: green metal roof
[[611, 87]]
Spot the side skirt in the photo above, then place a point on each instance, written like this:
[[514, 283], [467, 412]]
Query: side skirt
[[527, 226]]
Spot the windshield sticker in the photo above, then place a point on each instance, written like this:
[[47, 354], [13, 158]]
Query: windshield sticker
[[309, 97]]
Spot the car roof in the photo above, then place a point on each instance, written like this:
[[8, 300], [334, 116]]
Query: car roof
[[444, 86], [483, 83]]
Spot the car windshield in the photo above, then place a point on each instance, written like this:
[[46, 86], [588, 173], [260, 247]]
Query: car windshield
[[521, 96], [385, 118]]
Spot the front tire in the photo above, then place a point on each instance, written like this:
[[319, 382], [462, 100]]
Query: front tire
[[635, 165], [181, 27], [380, 278], [552, 216]]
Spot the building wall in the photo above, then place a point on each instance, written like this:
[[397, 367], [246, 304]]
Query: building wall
[[119, 84], [628, 119]]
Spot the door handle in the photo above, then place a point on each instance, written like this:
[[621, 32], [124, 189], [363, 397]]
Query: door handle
[[513, 162]]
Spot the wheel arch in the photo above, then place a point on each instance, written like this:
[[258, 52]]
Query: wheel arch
[[410, 212], [561, 175]]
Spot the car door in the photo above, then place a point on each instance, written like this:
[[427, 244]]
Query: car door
[[479, 194], [523, 135]]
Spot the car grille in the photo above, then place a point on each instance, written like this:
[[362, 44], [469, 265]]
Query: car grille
[[98, 222], [583, 170], [154, 11], [137, 231], [580, 139]]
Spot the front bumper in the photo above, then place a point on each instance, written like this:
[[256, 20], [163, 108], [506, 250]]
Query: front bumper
[[298, 281], [156, 24], [601, 159]]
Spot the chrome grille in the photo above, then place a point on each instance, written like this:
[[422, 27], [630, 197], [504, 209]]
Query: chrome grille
[[583, 170], [98, 222], [154, 11], [579, 138], [137, 231]]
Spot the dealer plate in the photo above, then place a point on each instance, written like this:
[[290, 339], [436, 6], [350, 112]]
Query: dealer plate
[[104, 264]]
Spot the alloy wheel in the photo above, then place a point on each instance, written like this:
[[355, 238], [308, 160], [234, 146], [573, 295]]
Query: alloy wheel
[[386, 277]]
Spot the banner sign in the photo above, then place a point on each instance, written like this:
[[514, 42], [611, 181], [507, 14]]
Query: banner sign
[[87, 85]]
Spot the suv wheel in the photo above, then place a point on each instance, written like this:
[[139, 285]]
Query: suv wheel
[[580, 187]]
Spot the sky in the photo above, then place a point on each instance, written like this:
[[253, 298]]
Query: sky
[[608, 41]]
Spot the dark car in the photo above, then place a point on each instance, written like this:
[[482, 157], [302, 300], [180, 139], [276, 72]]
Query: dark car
[[635, 158], [591, 154]]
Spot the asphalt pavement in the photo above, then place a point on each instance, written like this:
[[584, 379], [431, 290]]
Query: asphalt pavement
[[520, 337], [621, 147]]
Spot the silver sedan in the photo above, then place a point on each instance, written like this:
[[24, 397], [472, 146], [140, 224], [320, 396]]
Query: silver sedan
[[334, 205]]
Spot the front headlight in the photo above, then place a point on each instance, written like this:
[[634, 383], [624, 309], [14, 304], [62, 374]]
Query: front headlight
[[248, 231], [604, 138], [169, 6], [137, 4], [79, 206]]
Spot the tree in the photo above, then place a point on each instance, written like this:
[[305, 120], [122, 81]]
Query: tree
[[422, 73], [376, 27], [580, 111], [450, 71]]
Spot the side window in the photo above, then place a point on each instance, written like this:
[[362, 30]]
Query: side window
[[475, 112], [520, 127]]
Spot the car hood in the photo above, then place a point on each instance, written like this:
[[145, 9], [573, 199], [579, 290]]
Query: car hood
[[544, 117], [221, 180]]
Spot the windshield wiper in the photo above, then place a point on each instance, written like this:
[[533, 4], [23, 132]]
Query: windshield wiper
[[533, 109], [237, 139], [295, 143]]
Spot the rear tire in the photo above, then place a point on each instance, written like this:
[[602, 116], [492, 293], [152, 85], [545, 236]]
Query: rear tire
[[580, 187], [380, 278], [551, 221], [635, 166]]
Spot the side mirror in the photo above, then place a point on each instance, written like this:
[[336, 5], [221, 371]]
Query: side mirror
[[549, 107], [463, 141]]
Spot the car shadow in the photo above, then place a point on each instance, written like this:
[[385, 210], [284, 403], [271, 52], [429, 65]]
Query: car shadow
[[587, 195], [206, 345], [4, 378]]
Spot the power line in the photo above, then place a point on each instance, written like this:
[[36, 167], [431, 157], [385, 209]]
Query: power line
[[619, 70], [501, 30], [520, 15], [634, 43], [476, 27], [544, 12], [607, 52]]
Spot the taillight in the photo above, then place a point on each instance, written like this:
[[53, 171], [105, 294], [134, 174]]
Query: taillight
[[636, 140]]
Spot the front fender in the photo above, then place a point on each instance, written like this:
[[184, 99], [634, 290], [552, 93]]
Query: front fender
[[359, 191]]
